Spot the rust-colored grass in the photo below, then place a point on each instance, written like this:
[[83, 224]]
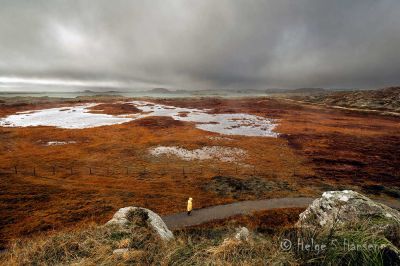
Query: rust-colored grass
[[115, 108], [318, 149]]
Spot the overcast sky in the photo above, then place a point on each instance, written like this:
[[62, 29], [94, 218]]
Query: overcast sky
[[200, 44]]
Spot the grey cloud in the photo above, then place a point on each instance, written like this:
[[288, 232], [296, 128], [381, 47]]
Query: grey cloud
[[204, 44]]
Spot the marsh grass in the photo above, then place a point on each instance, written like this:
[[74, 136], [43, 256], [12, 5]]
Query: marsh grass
[[94, 245], [358, 243]]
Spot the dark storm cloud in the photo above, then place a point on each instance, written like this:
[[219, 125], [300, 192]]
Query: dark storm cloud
[[202, 44]]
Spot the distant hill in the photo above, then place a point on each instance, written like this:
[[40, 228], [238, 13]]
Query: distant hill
[[386, 99], [307, 90], [159, 90], [100, 91], [238, 91]]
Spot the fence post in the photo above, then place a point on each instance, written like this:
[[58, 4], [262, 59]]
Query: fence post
[[90, 170], [34, 171], [15, 169]]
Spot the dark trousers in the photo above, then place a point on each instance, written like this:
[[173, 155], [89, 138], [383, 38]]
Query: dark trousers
[[189, 212]]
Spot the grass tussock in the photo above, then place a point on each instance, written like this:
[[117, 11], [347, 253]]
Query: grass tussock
[[360, 243], [94, 245]]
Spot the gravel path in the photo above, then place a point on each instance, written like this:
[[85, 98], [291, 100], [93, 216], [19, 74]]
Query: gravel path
[[181, 220]]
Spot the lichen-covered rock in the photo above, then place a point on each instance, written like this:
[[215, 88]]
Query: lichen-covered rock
[[341, 213], [347, 206], [346, 210], [136, 216]]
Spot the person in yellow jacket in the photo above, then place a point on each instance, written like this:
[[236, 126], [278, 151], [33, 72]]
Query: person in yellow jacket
[[189, 206]]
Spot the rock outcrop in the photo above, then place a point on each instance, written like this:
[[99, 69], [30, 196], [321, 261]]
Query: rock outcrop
[[386, 99], [136, 216], [341, 212], [340, 207]]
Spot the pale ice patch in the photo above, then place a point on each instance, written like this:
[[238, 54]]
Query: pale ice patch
[[228, 124], [63, 117], [224, 154], [58, 143], [80, 117], [217, 138]]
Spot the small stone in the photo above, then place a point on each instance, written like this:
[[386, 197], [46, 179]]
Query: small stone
[[120, 251], [242, 234]]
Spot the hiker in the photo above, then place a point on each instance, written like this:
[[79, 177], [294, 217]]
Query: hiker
[[189, 206]]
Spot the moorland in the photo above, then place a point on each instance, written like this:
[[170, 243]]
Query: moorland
[[60, 177]]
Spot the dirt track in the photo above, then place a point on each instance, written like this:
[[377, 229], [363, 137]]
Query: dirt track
[[181, 220]]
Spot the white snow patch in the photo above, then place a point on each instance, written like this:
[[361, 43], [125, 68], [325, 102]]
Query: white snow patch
[[219, 138], [228, 124], [224, 154], [79, 117], [57, 143], [63, 117]]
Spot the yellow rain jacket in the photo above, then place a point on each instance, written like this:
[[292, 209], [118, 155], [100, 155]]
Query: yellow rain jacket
[[189, 205]]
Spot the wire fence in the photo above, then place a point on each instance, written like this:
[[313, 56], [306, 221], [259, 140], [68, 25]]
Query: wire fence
[[144, 170]]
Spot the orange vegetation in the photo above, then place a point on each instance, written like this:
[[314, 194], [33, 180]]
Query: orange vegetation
[[115, 109], [268, 221], [109, 167]]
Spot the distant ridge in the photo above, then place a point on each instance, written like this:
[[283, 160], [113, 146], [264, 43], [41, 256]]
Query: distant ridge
[[90, 91], [385, 99], [159, 90], [307, 90]]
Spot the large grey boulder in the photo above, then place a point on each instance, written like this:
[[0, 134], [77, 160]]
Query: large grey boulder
[[341, 212], [336, 208], [134, 216]]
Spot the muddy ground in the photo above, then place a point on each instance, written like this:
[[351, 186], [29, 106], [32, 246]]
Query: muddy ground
[[109, 167]]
